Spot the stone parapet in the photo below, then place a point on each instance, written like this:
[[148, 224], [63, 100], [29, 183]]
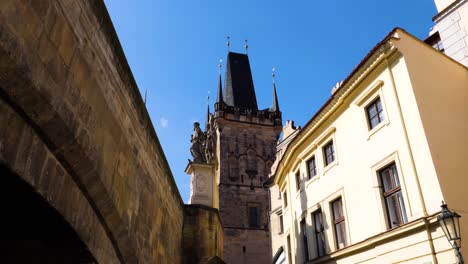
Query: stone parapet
[[202, 235], [264, 117]]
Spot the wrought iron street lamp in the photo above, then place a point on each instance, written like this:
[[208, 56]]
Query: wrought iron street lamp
[[450, 223]]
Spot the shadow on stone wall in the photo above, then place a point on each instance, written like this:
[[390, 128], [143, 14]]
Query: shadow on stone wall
[[202, 235]]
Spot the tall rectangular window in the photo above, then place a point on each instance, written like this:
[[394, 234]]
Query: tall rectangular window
[[329, 153], [339, 223], [253, 217], [319, 233], [288, 241], [375, 113], [298, 180], [285, 199], [395, 206], [312, 167], [280, 227], [305, 245]]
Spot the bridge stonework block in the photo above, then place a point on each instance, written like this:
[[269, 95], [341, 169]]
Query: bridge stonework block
[[45, 174], [203, 234], [74, 127]]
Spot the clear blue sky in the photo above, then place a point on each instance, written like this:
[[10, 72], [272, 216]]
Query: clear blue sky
[[173, 48]]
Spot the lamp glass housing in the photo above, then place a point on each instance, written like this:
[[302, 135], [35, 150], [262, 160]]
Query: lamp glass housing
[[450, 223]]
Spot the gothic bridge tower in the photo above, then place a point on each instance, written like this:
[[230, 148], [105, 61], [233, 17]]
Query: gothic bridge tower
[[245, 149]]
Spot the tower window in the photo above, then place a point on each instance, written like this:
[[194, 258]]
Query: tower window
[[254, 216]]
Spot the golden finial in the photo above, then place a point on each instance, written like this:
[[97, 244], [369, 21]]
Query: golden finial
[[273, 74], [220, 65]]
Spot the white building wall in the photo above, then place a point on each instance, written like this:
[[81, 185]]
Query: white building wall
[[442, 4], [360, 154], [276, 211], [424, 173], [452, 25]]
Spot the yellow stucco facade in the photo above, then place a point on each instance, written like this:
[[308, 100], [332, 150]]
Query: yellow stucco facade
[[419, 139]]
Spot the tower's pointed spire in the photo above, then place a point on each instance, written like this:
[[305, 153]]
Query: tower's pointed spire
[[238, 83], [275, 107], [220, 85], [207, 111]]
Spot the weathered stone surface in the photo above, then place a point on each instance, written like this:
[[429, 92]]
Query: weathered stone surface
[[246, 146], [203, 234], [48, 177], [74, 127]]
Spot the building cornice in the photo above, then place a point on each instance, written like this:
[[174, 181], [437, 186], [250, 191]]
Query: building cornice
[[448, 10]]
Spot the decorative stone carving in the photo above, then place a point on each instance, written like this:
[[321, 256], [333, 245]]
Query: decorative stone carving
[[201, 183], [197, 139], [210, 142]]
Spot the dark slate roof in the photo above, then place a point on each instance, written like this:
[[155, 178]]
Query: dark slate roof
[[275, 107], [220, 90], [238, 84]]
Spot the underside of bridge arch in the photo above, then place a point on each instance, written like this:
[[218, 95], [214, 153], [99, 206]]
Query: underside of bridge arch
[[44, 212], [31, 230]]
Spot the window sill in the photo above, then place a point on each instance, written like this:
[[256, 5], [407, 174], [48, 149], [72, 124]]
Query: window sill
[[319, 259], [377, 128], [311, 180], [329, 166], [298, 193], [378, 239]]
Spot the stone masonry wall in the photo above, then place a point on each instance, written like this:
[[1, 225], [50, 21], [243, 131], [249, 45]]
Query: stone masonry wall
[[203, 234], [23, 152], [70, 91], [245, 146]]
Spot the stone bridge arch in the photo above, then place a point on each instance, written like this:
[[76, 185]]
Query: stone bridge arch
[[32, 231], [23, 154]]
